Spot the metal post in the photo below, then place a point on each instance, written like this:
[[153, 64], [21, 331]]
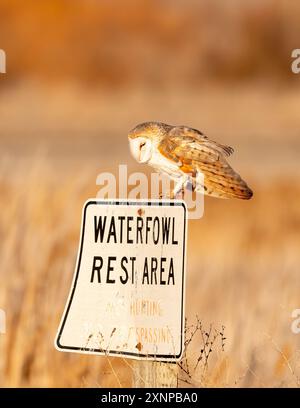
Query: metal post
[[154, 374]]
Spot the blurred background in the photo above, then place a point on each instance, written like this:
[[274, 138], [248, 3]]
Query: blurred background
[[80, 74]]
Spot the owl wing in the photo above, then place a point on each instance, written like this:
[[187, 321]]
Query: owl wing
[[194, 153]]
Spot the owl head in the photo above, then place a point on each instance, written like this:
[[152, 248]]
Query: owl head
[[142, 140]]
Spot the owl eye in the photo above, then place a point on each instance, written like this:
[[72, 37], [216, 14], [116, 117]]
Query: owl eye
[[142, 145]]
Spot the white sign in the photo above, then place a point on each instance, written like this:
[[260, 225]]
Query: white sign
[[127, 295]]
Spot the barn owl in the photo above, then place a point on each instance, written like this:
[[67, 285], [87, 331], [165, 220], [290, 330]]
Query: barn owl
[[183, 153]]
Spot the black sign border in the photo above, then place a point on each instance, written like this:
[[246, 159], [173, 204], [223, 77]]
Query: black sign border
[[116, 353]]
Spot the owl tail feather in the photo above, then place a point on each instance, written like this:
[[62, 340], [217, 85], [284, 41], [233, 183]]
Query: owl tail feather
[[220, 186]]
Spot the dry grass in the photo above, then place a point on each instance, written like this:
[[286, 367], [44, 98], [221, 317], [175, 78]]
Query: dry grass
[[174, 65], [243, 261], [243, 257]]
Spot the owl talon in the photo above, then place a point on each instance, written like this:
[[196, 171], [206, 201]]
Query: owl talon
[[169, 195]]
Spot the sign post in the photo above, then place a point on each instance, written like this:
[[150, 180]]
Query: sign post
[[155, 374], [128, 292]]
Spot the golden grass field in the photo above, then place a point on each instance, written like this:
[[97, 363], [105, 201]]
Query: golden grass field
[[243, 257]]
